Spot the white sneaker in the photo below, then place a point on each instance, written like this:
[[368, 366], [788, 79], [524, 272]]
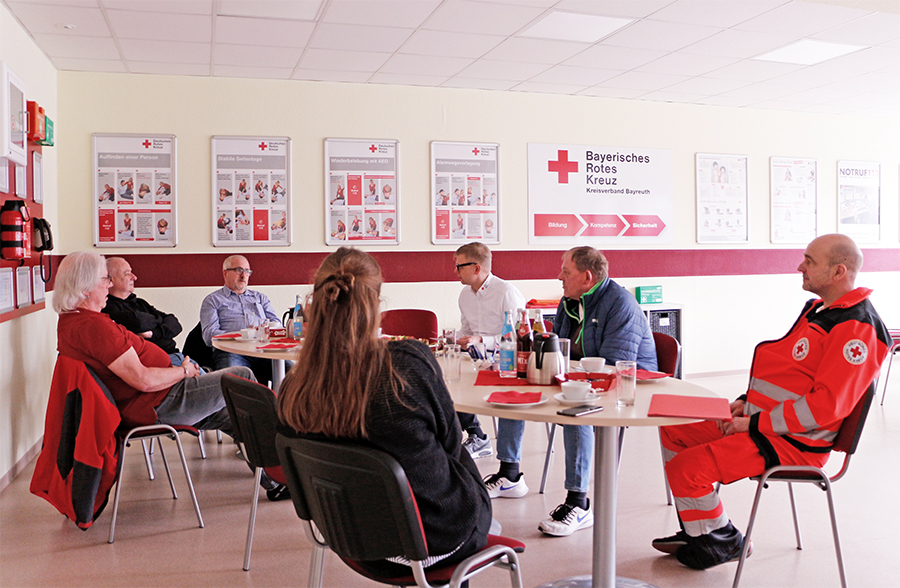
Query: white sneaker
[[500, 487], [478, 447], [566, 519]]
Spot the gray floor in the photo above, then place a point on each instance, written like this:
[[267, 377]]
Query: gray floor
[[159, 544]]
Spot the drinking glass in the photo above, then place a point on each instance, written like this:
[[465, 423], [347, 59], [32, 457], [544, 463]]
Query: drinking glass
[[452, 363], [565, 347], [626, 378]]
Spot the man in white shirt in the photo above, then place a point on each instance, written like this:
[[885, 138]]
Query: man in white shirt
[[481, 305]]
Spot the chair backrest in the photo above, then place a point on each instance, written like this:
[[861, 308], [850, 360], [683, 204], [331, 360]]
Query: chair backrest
[[410, 322], [254, 416], [358, 497], [668, 353], [197, 349], [851, 429]]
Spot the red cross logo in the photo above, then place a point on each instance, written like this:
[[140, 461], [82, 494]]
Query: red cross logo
[[146, 144], [855, 351], [373, 148], [262, 146], [563, 167], [476, 151]]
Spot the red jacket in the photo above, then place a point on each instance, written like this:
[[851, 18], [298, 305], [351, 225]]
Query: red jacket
[[804, 384], [77, 465]]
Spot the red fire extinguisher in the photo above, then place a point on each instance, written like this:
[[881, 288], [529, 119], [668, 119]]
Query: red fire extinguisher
[[13, 217]]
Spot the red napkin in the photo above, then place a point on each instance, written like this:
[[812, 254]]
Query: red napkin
[[491, 378], [575, 376], [277, 346], [513, 397], [227, 336], [284, 340], [648, 375]]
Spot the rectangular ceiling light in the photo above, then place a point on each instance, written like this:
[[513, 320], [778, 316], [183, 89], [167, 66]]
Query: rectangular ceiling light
[[566, 26], [808, 52]]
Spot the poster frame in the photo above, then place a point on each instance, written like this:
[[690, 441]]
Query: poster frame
[[698, 203], [805, 161], [433, 204], [858, 236]]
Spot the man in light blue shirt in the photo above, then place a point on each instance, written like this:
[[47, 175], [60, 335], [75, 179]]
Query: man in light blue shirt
[[235, 307]]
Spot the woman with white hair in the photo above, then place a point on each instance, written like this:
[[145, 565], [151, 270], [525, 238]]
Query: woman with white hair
[[146, 386]]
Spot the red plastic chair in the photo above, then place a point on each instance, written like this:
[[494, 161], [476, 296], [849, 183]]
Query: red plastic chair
[[410, 322]]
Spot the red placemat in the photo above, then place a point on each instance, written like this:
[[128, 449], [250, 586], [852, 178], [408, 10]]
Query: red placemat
[[284, 340], [492, 378], [692, 407], [648, 375], [277, 346], [513, 397], [227, 336]]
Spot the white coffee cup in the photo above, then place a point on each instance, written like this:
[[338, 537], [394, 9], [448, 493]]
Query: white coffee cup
[[576, 389], [249, 333], [592, 364]]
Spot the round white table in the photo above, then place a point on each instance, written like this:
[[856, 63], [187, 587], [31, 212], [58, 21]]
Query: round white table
[[249, 349], [470, 398]]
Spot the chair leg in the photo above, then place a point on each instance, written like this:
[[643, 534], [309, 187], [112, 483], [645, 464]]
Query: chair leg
[[834, 530], [794, 513], [162, 453], [147, 461], [252, 525], [551, 434], [187, 475], [115, 511], [316, 567], [218, 436], [761, 485], [887, 374], [662, 451], [202, 446]]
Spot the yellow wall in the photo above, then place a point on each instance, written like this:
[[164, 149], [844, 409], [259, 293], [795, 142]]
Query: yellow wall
[[723, 316]]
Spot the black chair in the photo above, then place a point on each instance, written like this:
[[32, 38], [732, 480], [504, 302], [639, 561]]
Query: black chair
[[197, 349], [254, 416], [364, 510], [847, 441]]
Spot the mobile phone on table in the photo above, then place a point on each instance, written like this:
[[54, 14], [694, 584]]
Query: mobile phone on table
[[582, 410]]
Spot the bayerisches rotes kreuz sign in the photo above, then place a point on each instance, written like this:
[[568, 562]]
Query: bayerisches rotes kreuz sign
[[586, 194]]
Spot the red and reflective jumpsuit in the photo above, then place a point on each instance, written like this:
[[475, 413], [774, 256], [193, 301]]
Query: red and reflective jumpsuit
[[801, 388]]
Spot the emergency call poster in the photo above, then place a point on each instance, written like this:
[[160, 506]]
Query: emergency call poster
[[859, 200], [362, 192], [793, 192], [722, 199], [465, 193], [134, 190], [592, 195], [251, 191]]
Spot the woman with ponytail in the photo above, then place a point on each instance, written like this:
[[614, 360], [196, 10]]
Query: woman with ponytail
[[349, 384]]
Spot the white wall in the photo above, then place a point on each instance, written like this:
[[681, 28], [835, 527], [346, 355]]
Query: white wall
[[28, 344]]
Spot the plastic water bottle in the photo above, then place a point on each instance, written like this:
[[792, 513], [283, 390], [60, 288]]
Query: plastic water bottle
[[507, 348], [298, 320]]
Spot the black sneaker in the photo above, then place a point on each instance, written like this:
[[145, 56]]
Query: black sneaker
[[281, 492], [671, 544], [700, 557]]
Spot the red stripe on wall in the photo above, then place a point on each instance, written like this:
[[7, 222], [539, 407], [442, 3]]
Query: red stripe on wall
[[166, 270]]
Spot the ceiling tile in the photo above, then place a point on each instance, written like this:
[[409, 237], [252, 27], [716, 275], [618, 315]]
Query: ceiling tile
[[425, 65], [480, 17], [721, 100], [705, 86], [356, 61], [331, 76], [686, 64], [169, 69], [407, 79], [250, 31], [657, 34], [127, 24], [638, 80], [171, 6], [398, 13], [281, 9], [168, 52], [447, 44], [613, 7], [256, 56], [548, 88], [714, 13], [753, 70], [604, 92], [801, 19], [105, 65], [49, 19], [535, 50], [238, 71], [742, 44], [874, 29], [611, 57], [476, 84], [80, 47], [576, 76], [668, 96], [502, 70], [358, 37]]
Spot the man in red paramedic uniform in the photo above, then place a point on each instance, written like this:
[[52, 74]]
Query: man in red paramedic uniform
[[801, 388]]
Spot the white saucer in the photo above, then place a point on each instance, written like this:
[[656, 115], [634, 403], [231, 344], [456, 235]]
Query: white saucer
[[509, 405], [592, 399], [244, 339]]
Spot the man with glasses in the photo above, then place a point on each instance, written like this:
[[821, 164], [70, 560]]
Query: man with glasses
[[232, 308], [136, 314], [481, 307]]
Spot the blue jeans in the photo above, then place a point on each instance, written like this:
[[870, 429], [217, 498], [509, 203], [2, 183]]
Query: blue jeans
[[577, 439], [177, 359], [198, 401]]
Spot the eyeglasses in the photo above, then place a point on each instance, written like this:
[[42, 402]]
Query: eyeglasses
[[107, 278], [241, 271], [459, 265]]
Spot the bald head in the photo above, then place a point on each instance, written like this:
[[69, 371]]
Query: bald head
[[842, 249], [121, 277], [830, 266]]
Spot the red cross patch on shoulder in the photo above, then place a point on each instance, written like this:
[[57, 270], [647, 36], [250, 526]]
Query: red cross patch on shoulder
[[801, 349], [855, 351]]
